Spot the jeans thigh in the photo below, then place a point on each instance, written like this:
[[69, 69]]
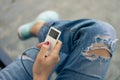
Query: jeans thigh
[[90, 35]]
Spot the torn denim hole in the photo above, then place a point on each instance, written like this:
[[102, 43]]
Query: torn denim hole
[[100, 44], [102, 39], [90, 56], [114, 42], [25, 57], [113, 45]]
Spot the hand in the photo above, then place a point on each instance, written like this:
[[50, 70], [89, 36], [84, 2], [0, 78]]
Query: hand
[[43, 64]]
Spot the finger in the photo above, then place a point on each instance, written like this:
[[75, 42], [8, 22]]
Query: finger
[[57, 48], [44, 49], [54, 55], [39, 44]]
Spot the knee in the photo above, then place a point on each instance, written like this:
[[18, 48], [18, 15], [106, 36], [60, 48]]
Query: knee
[[91, 27], [99, 27], [100, 36], [101, 32]]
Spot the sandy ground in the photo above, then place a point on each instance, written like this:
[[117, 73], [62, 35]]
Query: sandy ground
[[14, 13]]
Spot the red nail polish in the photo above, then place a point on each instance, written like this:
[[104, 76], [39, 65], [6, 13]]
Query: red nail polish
[[47, 43]]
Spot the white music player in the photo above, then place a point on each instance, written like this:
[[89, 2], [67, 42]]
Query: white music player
[[52, 36]]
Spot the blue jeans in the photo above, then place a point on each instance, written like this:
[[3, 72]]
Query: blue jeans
[[78, 38]]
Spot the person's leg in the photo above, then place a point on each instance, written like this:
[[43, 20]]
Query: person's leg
[[87, 48], [90, 46], [29, 30], [15, 71], [80, 38], [35, 29]]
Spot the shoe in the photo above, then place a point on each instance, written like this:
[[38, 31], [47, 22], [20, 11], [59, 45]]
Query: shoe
[[47, 16]]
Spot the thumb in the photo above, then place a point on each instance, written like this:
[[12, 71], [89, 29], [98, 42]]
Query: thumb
[[57, 48]]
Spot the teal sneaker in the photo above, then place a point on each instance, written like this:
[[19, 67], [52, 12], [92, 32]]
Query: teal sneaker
[[47, 16]]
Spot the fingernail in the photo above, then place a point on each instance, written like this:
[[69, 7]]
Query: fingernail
[[47, 43]]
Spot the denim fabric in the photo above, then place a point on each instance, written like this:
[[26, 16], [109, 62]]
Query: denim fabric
[[78, 38]]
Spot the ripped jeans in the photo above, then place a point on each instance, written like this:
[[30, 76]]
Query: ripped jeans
[[79, 37]]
